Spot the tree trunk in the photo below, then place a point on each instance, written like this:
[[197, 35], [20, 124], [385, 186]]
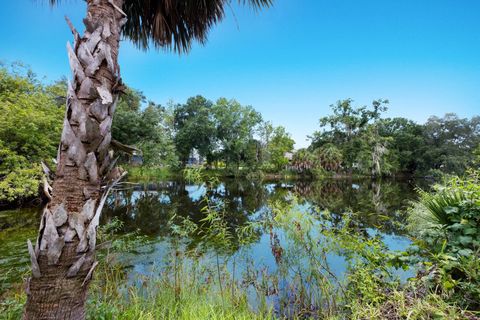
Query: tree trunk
[[63, 258]]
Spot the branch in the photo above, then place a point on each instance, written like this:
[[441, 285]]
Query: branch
[[123, 147]]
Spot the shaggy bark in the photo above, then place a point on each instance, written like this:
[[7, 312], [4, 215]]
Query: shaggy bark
[[63, 258]]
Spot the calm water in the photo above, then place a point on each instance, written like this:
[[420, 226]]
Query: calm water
[[146, 209]]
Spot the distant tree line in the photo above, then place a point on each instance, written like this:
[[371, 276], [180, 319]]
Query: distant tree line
[[226, 134], [359, 140], [222, 133]]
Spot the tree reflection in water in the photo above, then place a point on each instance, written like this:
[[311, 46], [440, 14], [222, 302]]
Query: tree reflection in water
[[148, 208]]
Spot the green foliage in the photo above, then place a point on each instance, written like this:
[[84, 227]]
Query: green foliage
[[11, 308], [275, 143], [329, 157], [235, 126], [319, 163], [194, 127], [216, 233], [161, 298], [256, 175], [452, 214], [21, 183], [193, 174], [355, 132], [449, 143], [446, 224], [303, 161], [476, 154], [30, 127], [374, 146], [405, 143], [149, 128], [404, 304], [30, 124], [149, 173], [225, 132]]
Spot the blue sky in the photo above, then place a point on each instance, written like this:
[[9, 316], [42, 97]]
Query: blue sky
[[292, 61]]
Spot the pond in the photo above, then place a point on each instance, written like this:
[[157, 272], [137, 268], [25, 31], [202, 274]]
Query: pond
[[147, 209]]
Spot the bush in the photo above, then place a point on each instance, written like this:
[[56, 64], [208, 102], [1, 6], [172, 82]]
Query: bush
[[446, 226], [30, 127]]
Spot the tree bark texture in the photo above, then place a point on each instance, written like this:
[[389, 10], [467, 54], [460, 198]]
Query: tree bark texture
[[63, 257]]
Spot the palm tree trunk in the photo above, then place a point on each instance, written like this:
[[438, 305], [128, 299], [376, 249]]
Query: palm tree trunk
[[63, 258]]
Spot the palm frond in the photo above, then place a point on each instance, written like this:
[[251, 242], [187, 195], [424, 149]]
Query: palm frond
[[442, 203], [174, 24]]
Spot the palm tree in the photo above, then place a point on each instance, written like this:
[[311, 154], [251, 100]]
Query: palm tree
[[329, 157], [63, 258], [303, 161]]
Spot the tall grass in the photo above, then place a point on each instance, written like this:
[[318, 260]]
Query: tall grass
[[195, 296], [144, 173]]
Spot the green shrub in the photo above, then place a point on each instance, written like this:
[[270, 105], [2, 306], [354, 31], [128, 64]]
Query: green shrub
[[30, 127], [446, 226]]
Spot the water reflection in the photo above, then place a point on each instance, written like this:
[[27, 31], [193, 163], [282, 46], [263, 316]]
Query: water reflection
[[271, 262], [147, 208], [379, 204]]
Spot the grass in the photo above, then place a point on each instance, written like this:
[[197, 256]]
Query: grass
[[144, 173], [188, 292], [161, 297], [403, 304]]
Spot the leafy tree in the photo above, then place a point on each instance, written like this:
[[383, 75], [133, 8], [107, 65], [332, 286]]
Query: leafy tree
[[278, 144], [348, 121], [194, 128], [476, 155], [374, 146], [19, 179], [406, 142], [345, 128], [159, 148], [128, 125], [449, 143], [84, 160], [149, 128], [235, 127], [374, 157], [30, 121], [30, 125]]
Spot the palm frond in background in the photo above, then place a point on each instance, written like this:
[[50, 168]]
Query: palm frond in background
[[174, 24]]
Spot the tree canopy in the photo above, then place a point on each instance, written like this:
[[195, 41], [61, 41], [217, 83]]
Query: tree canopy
[[370, 144], [30, 127]]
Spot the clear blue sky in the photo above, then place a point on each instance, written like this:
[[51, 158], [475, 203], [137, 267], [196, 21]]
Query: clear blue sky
[[292, 61]]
